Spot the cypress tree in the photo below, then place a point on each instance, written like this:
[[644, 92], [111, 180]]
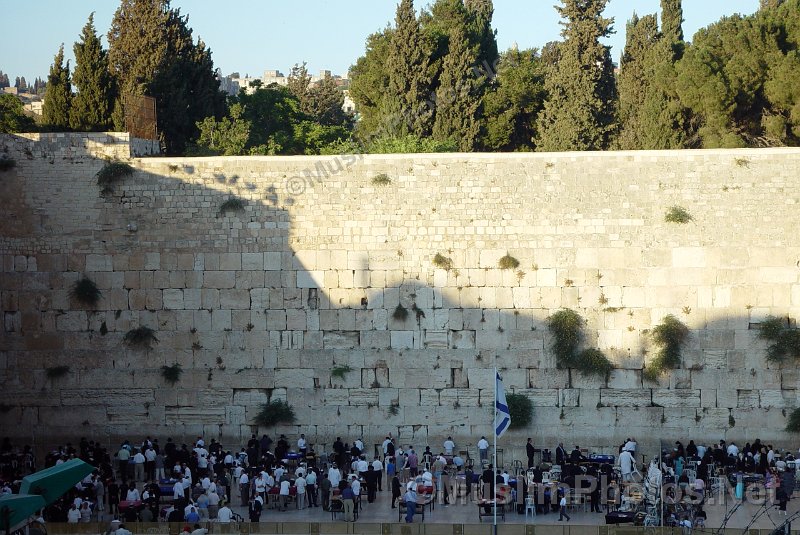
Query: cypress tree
[[457, 100], [92, 105], [580, 112], [409, 81], [152, 53], [482, 34], [58, 97], [672, 26]]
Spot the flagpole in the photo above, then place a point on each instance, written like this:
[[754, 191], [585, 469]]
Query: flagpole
[[494, 433]]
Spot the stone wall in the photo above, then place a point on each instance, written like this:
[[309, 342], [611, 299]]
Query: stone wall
[[264, 303]]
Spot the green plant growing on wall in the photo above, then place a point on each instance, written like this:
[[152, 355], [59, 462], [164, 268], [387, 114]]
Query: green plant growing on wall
[[678, 214], [442, 262], [110, 173], [231, 204], [7, 164], [394, 408], [669, 336], [400, 313], [340, 371], [140, 338], [381, 179], [592, 361], [85, 291], [521, 410], [508, 262], [566, 327], [56, 372], [793, 423], [172, 374], [785, 341], [275, 412]]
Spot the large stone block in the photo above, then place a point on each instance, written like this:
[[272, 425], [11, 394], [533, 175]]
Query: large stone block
[[676, 398], [611, 397]]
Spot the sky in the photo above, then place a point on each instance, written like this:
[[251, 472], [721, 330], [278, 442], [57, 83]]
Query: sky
[[250, 36]]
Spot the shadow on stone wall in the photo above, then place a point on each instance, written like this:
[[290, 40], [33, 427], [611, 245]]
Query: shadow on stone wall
[[236, 307]]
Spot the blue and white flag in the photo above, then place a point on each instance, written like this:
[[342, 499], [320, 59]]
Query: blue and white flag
[[502, 416]]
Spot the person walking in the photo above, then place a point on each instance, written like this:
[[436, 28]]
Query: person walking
[[562, 511]]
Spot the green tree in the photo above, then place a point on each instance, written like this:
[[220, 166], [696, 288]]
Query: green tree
[[152, 53], [457, 99], [12, 115], [369, 85], [325, 101], [228, 136], [94, 101], [481, 33], [298, 83], [580, 111], [672, 25], [514, 101], [740, 78], [57, 99], [407, 62]]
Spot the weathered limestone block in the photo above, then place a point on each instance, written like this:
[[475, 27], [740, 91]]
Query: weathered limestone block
[[548, 378], [462, 339], [676, 398], [250, 396], [219, 279], [611, 397], [194, 415], [102, 397], [341, 339], [298, 377], [403, 339], [624, 379]]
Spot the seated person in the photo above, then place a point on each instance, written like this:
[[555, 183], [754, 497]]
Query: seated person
[[427, 479], [458, 462]]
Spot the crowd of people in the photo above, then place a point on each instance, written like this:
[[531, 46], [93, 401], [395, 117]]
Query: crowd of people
[[201, 479]]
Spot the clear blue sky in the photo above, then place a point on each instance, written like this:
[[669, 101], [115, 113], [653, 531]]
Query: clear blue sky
[[250, 36]]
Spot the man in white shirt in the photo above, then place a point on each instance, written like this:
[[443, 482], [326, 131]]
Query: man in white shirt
[[334, 476], [224, 515], [377, 465], [311, 488], [301, 445], [362, 466], [630, 445], [244, 488], [279, 471], [138, 465], [385, 446], [300, 485], [177, 490], [359, 444], [449, 446], [701, 451], [733, 450], [483, 449], [355, 484], [284, 494], [627, 464]]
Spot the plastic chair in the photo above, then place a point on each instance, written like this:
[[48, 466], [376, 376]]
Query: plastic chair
[[530, 507], [545, 477]]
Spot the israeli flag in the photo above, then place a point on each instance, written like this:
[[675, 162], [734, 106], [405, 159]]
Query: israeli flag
[[502, 416]]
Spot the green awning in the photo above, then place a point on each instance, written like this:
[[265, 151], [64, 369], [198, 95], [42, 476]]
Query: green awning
[[16, 509], [54, 482]]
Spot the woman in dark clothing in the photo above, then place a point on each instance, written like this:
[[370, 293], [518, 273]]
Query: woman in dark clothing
[[691, 449], [395, 489]]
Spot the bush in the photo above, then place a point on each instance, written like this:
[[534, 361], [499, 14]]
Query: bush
[[140, 338], [521, 410], [508, 262], [111, 173], [678, 214], [793, 423], [340, 371], [85, 291], [785, 341], [592, 361], [381, 179], [565, 326], [172, 374], [409, 144], [273, 413], [443, 262], [669, 336]]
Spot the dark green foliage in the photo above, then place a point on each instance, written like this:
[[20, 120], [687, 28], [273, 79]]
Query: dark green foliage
[[232, 204], [400, 313], [369, 86], [672, 24], [508, 262], [340, 371], [6, 164], [12, 116], [85, 291], [521, 410], [58, 98], [227, 137], [111, 172], [592, 361], [92, 105], [565, 326], [580, 112], [443, 262], [152, 52], [381, 179], [793, 423], [273, 413], [410, 83], [669, 336], [56, 372], [785, 341], [513, 101], [409, 144], [740, 78], [172, 374], [140, 338], [482, 35], [678, 214]]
